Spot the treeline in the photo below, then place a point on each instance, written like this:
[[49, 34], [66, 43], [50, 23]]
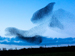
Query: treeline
[[25, 51]]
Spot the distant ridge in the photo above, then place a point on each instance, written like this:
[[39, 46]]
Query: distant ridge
[[40, 50]]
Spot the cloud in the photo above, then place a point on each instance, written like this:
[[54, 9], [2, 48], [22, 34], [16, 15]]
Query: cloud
[[45, 41]]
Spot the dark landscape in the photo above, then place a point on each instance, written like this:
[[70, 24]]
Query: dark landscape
[[44, 51]]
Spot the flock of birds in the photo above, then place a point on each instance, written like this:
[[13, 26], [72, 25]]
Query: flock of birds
[[60, 21]]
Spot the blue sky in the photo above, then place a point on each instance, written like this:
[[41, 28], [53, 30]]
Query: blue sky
[[18, 14]]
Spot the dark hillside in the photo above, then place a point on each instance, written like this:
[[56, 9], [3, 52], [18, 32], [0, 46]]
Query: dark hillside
[[40, 50]]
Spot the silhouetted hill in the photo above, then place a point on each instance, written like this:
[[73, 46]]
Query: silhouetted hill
[[37, 50]]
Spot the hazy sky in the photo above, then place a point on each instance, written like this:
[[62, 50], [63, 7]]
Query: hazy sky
[[18, 13]]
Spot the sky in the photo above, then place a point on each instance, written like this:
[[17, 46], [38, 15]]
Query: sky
[[18, 14]]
